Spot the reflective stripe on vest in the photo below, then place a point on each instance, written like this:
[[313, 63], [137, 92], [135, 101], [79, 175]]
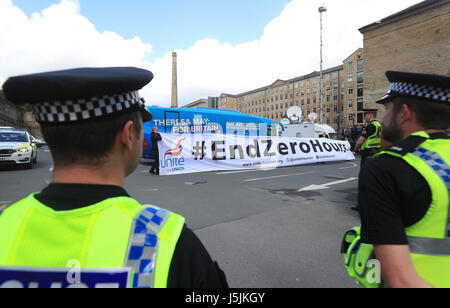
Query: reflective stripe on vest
[[374, 140], [429, 246]]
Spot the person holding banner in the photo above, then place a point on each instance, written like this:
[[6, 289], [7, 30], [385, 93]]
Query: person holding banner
[[156, 137], [92, 120]]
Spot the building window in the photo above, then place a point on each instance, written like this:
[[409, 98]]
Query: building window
[[328, 109], [350, 77], [303, 102], [350, 117], [350, 103], [360, 65], [360, 77], [360, 118], [308, 101], [350, 66], [360, 104], [335, 97], [335, 75], [314, 110], [335, 108], [328, 98], [350, 90], [360, 90]]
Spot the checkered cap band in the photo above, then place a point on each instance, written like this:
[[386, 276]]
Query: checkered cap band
[[85, 109], [421, 91]]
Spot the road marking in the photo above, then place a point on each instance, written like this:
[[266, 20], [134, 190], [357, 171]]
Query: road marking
[[233, 172], [278, 176], [245, 171], [325, 186], [353, 165]]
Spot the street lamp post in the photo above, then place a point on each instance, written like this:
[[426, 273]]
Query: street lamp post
[[322, 9]]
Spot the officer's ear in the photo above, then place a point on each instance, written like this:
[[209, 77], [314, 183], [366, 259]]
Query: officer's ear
[[406, 114], [128, 135]]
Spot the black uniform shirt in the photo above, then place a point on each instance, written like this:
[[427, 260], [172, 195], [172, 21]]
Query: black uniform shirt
[[191, 266], [392, 196], [156, 137], [369, 130]]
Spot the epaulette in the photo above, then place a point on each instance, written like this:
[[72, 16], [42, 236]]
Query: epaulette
[[406, 146]]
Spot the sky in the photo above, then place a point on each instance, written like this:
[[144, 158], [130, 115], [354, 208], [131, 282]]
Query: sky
[[223, 46]]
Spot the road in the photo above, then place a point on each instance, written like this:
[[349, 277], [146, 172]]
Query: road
[[266, 228]]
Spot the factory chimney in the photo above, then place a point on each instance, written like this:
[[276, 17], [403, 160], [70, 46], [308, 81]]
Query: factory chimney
[[174, 103]]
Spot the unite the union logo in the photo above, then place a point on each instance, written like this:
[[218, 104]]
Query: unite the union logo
[[177, 150]]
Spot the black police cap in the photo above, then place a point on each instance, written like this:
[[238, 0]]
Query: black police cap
[[365, 111], [432, 88], [82, 94]]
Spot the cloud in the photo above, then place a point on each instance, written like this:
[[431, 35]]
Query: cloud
[[60, 37]]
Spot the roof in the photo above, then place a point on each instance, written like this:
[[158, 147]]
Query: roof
[[428, 4]]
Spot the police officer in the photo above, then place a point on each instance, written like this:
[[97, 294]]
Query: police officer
[[369, 142], [92, 120], [404, 191]]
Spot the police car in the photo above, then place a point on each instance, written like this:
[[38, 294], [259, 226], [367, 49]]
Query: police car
[[17, 147]]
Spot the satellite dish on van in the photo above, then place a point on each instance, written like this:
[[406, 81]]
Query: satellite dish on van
[[312, 117], [295, 114], [285, 121]]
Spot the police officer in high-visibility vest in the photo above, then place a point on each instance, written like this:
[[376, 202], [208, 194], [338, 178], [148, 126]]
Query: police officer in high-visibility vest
[[369, 142], [404, 191], [85, 221]]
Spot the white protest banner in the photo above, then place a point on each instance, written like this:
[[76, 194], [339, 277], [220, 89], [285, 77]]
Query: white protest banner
[[192, 153]]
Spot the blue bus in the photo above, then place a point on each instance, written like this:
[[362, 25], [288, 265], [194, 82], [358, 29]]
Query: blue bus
[[206, 121]]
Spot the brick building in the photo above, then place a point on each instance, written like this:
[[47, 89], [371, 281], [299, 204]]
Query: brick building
[[342, 95], [416, 39]]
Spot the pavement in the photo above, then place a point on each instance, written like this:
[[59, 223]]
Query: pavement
[[276, 228]]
